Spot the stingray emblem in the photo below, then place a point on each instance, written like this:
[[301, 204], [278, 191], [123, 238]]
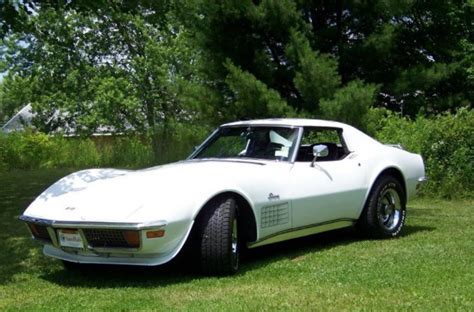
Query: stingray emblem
[[272, 196], [70, 208]]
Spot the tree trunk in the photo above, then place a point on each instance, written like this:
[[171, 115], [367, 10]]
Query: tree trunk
[[153, 131]]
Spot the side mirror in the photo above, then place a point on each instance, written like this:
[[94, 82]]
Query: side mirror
[[319, 150]]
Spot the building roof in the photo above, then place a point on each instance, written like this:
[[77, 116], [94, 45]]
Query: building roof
[[23, 119], [19, 120]]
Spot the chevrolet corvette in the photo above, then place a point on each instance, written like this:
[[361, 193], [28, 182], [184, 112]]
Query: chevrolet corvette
[[250, 183]]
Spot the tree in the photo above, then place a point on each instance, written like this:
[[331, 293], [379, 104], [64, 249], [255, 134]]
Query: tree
[[110, 63], [149, 63], [309, 52], [251, 97]]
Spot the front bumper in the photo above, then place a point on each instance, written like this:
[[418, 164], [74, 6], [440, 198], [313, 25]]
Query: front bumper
[[149, 251], [102, 225]]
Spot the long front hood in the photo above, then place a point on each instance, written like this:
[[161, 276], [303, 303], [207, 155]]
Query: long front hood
[[89, 195], [108, 195]]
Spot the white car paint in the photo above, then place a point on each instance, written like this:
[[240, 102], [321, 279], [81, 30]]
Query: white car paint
[[306, 199]]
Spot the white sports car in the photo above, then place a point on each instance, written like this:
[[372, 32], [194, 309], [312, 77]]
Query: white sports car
[[250, 183]]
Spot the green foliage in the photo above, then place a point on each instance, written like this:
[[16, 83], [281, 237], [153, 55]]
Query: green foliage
[[446, 144], [37, 150], [130, 151], [417, 53], [127, 66], [350, 104], [316, 75], [179, 143], [252, 98], [15, 92], [144, 65], [467, 61]]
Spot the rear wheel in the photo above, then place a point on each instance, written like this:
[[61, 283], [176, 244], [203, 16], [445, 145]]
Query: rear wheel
[[219, 237], [384, 212]]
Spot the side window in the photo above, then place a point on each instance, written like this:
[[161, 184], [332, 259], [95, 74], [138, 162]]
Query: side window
[[331, 137]]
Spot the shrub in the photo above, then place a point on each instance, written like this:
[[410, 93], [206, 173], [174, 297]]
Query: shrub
[[126, 151], [28, 150], [446, 143], [180, 142]]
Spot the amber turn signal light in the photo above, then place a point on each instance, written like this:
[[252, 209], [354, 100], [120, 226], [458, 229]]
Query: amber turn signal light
[[132, 238], [155, 234]]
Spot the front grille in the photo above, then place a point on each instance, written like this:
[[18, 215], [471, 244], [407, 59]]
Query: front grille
[[40, 232], [106, 238]]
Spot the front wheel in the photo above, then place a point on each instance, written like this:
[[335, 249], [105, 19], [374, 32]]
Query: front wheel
[[219, 237], [385, 212]]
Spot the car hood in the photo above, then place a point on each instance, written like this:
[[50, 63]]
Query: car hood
[[160, 193]]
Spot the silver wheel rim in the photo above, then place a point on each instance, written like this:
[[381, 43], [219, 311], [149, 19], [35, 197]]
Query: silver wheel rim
[[235, 241], [390, 209]]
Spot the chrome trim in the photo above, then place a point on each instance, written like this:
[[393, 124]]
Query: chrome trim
[[397, 145], [230, 159], [297, 145], [108, 250], [302, 231], [235, 245], [389, 209], [85, 242], [88, 225], [53, 235], [215, 132], [200, 147], [422, 179]]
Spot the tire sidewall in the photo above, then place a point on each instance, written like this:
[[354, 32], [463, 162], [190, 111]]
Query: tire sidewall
[[215, 227]]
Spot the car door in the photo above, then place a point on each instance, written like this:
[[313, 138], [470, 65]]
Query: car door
[[334, 188]]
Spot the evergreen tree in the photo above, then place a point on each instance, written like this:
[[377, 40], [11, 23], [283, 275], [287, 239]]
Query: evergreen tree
[[417, 53]]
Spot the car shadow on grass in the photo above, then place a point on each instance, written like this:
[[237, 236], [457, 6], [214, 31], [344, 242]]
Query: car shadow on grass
[[118, 276], [297, 248], [184, 269]]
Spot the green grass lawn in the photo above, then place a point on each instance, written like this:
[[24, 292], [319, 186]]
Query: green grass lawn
[[431, 267]]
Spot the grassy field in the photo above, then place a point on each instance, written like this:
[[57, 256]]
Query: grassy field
[[431, 267]]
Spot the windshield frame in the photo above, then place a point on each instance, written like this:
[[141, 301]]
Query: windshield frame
[[211, 138]]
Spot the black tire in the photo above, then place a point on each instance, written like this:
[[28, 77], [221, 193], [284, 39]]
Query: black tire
[[218, 237], [384, 213]]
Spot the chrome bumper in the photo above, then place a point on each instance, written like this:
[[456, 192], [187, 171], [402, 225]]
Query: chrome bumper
[[151, 251], [82, 226], [88, 225]]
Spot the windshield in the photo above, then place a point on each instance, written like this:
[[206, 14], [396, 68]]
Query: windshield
[[273, 143]]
